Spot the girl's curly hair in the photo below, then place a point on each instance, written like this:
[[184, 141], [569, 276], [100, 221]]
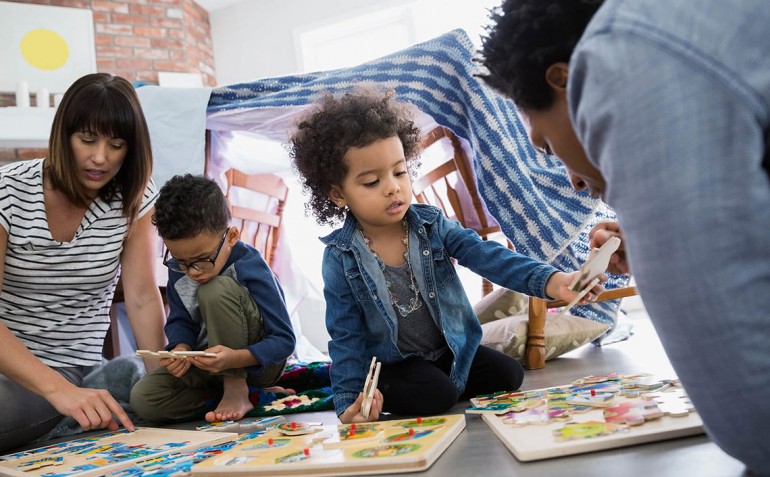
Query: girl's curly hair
[[334, 125]]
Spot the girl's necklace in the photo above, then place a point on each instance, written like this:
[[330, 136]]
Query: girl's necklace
[[414, 302]]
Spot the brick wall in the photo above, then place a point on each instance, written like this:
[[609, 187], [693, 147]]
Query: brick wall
[[136, 39]]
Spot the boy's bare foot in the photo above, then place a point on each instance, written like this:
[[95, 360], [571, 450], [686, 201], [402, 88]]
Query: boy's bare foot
[[235, 401]]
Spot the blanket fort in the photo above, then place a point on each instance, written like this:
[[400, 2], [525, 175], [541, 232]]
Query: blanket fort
[[383, 447]]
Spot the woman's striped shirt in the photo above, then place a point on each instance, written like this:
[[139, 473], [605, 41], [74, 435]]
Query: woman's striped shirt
[[56, 296]]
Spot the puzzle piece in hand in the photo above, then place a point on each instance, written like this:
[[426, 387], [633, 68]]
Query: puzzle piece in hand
[[145, 353], [597, 263], [632, 413]]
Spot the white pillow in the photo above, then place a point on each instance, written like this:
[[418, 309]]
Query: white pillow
[[563, 334]]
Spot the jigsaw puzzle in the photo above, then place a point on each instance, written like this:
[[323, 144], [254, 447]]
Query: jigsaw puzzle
[[366, 448], [590, 414], [105, 453]]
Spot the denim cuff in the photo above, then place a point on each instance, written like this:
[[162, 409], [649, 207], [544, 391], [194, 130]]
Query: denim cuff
[[343, 401], [538, 280]]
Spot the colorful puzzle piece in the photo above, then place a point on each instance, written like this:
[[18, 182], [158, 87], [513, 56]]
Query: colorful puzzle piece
[[632, 413], [534, 416], [586, 430]]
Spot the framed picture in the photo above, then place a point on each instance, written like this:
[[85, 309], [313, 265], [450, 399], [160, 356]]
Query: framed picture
[[48, 47]]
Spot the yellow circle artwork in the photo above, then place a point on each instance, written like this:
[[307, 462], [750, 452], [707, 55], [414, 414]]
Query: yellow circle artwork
[[44, 49]]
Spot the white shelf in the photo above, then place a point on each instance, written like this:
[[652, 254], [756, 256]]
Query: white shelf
[[25, 127]]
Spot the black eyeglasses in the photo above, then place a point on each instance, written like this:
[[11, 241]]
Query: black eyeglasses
[[200, 265]]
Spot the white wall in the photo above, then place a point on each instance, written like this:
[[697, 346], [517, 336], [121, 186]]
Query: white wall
[[255, 39]]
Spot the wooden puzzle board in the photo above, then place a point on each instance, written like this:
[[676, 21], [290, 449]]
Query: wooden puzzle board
[[535, 442], [97, 455], [384, 447]]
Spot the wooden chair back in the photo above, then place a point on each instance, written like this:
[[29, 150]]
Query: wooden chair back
[[260, 225], [451, 186]]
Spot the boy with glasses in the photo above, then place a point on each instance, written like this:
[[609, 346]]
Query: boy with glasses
[[223, 299]]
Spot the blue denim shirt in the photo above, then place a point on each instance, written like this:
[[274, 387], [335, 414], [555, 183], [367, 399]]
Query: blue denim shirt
[[360, 317], [671, 100]]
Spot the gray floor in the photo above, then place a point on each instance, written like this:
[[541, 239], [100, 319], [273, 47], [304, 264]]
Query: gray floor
[[478, 450]]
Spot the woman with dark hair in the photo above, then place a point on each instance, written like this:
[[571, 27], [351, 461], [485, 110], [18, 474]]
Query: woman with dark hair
[[68, 224]]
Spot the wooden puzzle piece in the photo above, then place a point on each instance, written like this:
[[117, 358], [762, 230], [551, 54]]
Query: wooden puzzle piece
[[40, 463], [600, 378], [586, 430], [512, 405], [409, 436], [632, 413], [605, 386], [294, 428], [534, 416], [674, 403], [145, 353], [370, 386], [494, 408], [597, 263], [261, 424], [422, 422], [353, 434], [592, 399], [219, 426]]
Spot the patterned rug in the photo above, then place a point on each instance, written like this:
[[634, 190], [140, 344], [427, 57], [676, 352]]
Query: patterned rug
[[311, 382]]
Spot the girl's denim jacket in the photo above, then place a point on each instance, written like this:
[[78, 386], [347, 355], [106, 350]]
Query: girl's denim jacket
[[360, 317]]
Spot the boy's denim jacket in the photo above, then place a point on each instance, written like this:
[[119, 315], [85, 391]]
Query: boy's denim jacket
[[360, 317]]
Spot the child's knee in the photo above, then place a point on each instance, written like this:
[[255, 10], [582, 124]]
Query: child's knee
[[141, 402], [216, 289]]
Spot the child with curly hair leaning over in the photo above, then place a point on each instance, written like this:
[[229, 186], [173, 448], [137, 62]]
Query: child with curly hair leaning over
[[390, 285]]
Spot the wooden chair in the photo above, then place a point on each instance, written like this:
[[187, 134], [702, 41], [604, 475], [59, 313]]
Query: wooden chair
[[260, 226], [447, 184]]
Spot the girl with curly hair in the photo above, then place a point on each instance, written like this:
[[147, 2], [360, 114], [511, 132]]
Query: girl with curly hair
[[390, 285]]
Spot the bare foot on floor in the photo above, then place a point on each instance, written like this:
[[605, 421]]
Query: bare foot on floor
[[235, 401]]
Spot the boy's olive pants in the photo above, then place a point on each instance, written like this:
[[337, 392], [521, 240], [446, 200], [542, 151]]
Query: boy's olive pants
[[232, 319]]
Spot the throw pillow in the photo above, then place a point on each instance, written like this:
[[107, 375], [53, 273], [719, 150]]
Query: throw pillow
[[562, 334], [500, 304]]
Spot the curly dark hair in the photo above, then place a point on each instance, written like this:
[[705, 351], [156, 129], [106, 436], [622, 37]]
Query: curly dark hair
[[524, 39], [189, 205], [324, 135]]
